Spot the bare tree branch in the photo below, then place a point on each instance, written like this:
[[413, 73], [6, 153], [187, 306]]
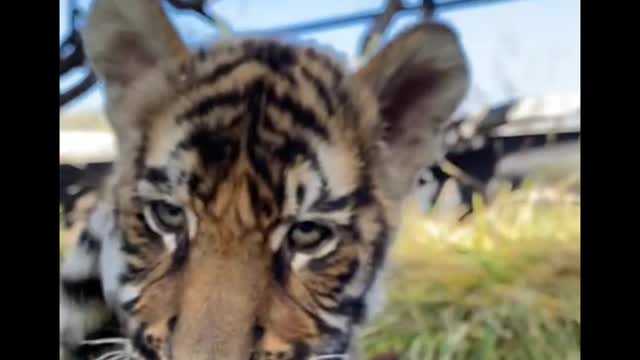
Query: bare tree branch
[[372, 37]]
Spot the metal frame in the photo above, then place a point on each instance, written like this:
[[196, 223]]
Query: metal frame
[[72, 54]]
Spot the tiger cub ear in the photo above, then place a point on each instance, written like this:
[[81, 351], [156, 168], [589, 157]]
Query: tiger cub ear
[[123, 38], [419, 79]]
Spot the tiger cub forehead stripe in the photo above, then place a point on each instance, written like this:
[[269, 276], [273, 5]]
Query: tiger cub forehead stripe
[[282, 62]]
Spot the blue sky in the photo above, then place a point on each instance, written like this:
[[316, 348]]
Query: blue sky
[[515, 48]]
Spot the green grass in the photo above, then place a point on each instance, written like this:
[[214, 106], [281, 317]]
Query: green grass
[[503, 285]]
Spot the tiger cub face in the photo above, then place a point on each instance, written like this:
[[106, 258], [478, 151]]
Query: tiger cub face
[[258, 184]]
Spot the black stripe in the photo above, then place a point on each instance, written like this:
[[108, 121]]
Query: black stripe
[[344, 97], [336, 73], [278, 192], [84, 290], [301, 351], [359, 197], [254, 95], [342, 278], [132, 273], [261, 167], [346, 276], [208, 104], [141, 345], [129, 248], [351, 229], [143, 231], [320, 264], [290, 150], [227, 68], [199, 188], [280, 268], [171, 324], [212, 147], [89, 242], [320, 89], [378, 256], [322, 325], [276, 56], [353, 308], [129, 305], [257, 332], [257, 204], [301, 115], [300, 191], [328, 295], [141, 154], [194, 183], [110, 329], [222, 70], [324, 205], [156, 175], [181, 253], [362, 196], [380, 246]]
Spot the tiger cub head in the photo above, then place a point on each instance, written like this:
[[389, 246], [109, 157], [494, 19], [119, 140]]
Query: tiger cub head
[[257, 185]]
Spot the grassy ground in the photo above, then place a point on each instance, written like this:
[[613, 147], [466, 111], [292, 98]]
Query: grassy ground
[[505, 284]]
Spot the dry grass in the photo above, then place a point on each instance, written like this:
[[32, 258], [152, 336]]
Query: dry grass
[[505, 284]]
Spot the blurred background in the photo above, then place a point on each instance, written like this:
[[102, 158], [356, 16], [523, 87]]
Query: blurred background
[[487, 264]]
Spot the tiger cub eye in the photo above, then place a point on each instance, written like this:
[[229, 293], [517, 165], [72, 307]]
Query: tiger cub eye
[[307, 234]]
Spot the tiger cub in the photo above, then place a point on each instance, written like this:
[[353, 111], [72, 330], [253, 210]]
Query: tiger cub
[[255, 193]]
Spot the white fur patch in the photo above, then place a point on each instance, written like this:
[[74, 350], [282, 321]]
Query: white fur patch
[[375, 297], [79, 264], [339, 166], [192, 223], [277, 237], [301, 175], [337, 321], [128, 293], [77, 320], [101, 221], [300, 261], [112, 264]]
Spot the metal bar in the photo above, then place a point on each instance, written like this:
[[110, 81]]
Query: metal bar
[[78, 89], [358, 17], [72, 61]]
